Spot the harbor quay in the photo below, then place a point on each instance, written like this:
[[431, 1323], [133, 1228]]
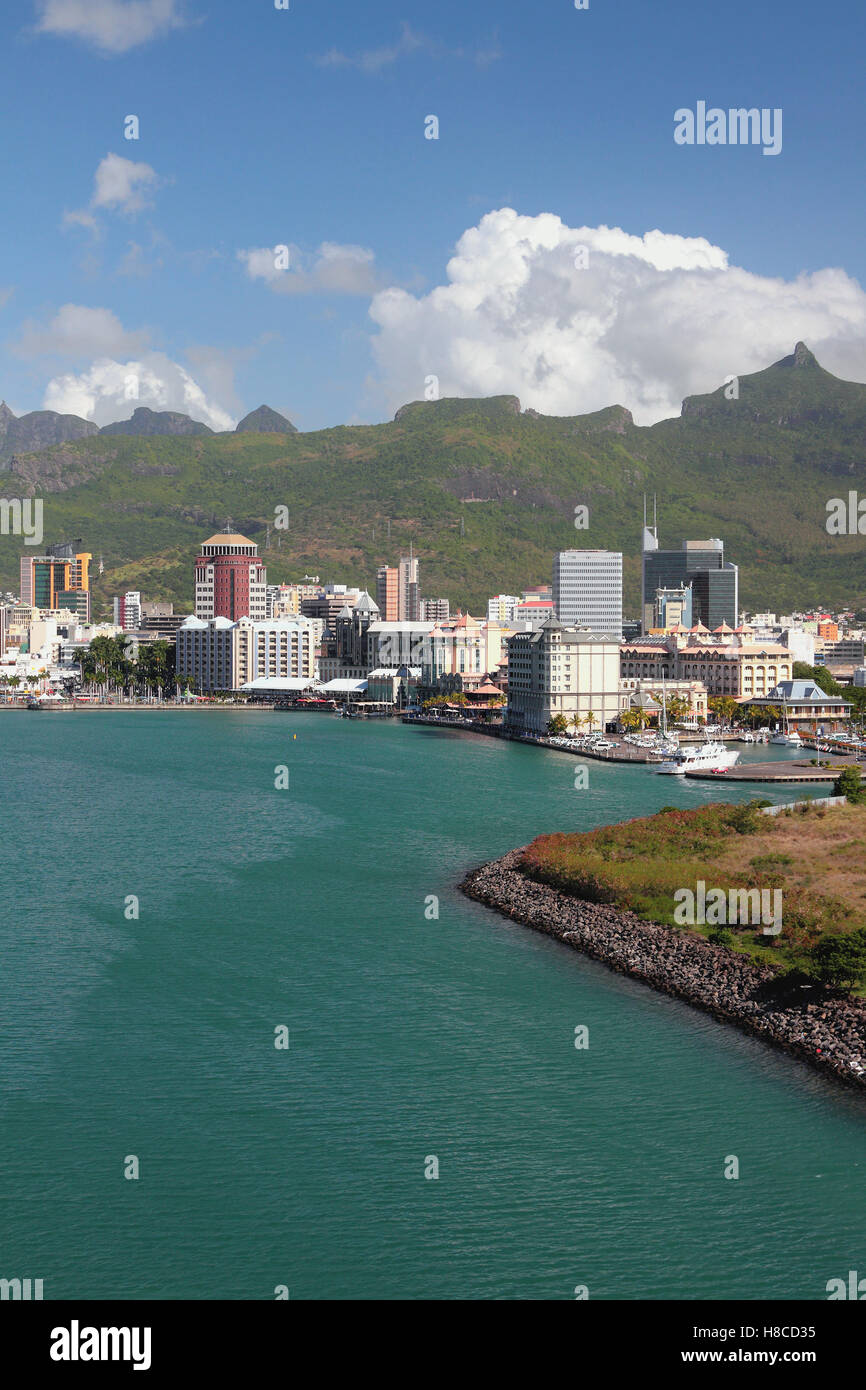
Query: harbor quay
[[622, 752]]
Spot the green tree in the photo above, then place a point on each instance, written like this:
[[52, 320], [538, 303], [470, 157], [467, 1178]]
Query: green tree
[[557, 725], [819, 674], [848, 784], [840, 961]]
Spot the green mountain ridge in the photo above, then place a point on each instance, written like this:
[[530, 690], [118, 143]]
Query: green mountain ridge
[[484, 491]]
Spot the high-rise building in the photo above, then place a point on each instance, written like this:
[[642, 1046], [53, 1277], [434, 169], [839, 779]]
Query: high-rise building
[[409, 594], [587, 590], [127, 610], [672, 607], [388, 592], [230, 579], [398, 596], [62, 573], [700, 564]]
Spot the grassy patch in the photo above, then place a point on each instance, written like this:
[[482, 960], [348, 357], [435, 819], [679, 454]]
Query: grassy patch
[[814, 856]]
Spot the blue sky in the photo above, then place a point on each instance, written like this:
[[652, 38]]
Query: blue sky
[[262, 127]]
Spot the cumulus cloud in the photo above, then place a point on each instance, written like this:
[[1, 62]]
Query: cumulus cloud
[[114, 370], [572, 319], [78, 332], [375, 60], [119, 185], [112, 26], [333, 269], [111, 390]]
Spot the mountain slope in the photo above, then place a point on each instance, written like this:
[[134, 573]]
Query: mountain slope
[[265, 421], [38, 430], [484, 492], [146, 422]]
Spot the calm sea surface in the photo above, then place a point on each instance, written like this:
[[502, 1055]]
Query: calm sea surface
[[410, 1038]]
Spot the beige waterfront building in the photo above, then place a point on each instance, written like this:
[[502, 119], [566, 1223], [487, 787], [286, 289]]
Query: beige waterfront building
[[727, 661], [561, 670]]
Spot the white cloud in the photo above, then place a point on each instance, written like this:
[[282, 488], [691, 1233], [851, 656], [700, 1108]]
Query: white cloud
[[119, 185], [120, 370], [77, 332], [334, 269], [112, 26], [122, 185], [374, 60], [650, 320], [111, 390]]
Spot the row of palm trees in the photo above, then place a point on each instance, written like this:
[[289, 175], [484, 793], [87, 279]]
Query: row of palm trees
[[114, 664], [630, 720]]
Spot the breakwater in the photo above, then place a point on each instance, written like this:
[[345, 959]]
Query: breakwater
[[827, 1032]]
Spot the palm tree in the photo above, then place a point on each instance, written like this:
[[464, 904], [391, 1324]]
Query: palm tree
[[678, 707], [589, 720]]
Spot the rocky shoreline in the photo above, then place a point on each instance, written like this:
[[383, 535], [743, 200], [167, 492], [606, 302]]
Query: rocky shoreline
[[827, 1032]]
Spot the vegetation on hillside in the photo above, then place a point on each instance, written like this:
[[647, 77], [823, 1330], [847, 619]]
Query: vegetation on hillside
[[484, 492]]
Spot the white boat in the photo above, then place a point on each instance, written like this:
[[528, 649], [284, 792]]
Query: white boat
[[702, 757], [747, 738], [786, 736]]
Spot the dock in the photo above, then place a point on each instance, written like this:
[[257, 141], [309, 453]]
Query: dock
[[773, 772]]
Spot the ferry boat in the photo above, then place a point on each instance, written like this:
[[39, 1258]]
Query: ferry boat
[[703, 757]]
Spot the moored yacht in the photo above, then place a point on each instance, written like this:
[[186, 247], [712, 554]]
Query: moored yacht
[[702, 757]]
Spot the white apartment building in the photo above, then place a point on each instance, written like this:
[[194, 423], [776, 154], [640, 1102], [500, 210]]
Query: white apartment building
[[283, 647], [502, 607], [587, 590], [221, 655]]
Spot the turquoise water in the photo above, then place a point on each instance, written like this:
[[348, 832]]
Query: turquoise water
[[409, 1037]]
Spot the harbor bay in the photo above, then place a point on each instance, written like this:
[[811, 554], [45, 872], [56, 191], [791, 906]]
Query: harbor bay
[[420, 1024]]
